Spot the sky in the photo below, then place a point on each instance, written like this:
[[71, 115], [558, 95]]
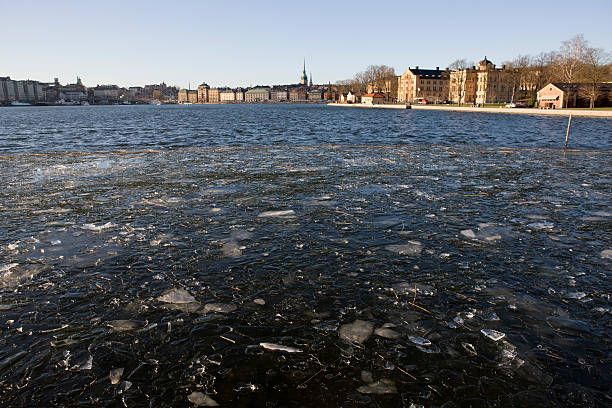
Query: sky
[[247, 43]]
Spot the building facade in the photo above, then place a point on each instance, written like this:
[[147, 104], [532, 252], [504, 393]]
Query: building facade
[[188, 96], [214, 95], [373, 98], [484, 84], [203, 89], [257, 95], [20, 91], [279, 95], [227, 96], [557, 95], [429, 84]]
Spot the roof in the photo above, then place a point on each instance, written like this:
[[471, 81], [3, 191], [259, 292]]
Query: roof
[[374, 95], [427, 73], [257, 90], [485, 61], [573, 86]]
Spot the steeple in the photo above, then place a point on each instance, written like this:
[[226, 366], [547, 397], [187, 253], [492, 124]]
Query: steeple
[[310, 78], [304, 78]]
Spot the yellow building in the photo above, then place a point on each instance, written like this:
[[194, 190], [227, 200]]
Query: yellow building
[[423, 84], [203, 89], [483, 84]]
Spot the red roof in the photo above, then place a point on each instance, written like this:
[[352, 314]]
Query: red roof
[[375, 95]]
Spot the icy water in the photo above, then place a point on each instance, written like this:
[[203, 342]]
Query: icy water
[[282, 256]]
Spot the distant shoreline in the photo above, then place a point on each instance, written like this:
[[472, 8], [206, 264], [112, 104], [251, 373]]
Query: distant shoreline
[[520, 111]]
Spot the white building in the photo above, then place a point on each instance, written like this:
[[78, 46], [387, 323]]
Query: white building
[[20, 91]]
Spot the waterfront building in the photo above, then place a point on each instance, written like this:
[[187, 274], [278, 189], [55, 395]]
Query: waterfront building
[[257, 95], [187, 96], [557, 95], [315, 94], [227, 95], [203, 90], [483, 84], [279, 95], [239, 95], [429, 84], [297, 94], [353, 97], [106, 94], [373, 98], [20, 91], [213, 95]]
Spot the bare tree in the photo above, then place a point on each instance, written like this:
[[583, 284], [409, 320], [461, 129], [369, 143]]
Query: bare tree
[[542, 66], [569, 61], [460, 64], [595, 71]]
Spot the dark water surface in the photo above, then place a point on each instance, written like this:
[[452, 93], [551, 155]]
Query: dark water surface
[[281, 256]]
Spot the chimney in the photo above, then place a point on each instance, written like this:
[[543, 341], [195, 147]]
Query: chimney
[[417, 67], [437, 68]]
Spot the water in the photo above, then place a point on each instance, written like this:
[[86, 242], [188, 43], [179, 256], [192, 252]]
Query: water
[[319, 258]]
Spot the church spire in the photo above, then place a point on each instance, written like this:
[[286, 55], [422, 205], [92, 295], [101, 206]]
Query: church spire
[[304, 78], [310, 78]]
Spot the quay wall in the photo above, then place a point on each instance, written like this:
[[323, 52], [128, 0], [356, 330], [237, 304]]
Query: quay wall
[[519, 111]]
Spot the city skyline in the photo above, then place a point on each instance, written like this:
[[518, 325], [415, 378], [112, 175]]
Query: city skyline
[[138, 43]]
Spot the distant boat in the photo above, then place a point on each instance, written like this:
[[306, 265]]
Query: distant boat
[[15, 103], [155, 102], [84, 103]]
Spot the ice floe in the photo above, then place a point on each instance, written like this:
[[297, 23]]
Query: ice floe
[[177, 296], [412, 248], [357, 332], [280, 347], [280, 213], [493, 334], [382, 386]]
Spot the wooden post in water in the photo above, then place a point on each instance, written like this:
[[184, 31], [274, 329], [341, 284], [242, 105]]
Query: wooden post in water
[[569, 124]]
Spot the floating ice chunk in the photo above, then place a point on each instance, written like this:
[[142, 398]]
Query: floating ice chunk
[[469, 348], [575, 295], [328, 326], [420, 341], [468, 233], [125, 385], [201, 400], [539, 226], [490, 317], [7, 267], [407, 288], [410, 249], [231, 249], [366, 376], [357, 332], [259, 301], [281, 213], [490, 238], [603, 214], [493, 334], [177, 296], [280, 347], [606, 254], [429, 349], [85, 365], [12, 247], [564, 324], [219, 307], [382, 386], [97, 228], [56, 242], [126, 325], [387, 333], [115, 375]]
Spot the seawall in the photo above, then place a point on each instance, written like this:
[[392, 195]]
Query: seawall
[[519, 111]]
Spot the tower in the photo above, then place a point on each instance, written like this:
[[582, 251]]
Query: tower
[[304, 79], [310, 78]]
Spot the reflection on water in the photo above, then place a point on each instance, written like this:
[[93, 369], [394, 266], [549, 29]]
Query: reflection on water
[[321, 276]]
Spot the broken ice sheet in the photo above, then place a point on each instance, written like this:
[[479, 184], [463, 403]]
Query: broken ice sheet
[[280, 213], [412, 248], [387, 333], [382, 386], [219, 307], [176, 296], [419, 341], [201, 400], [114, 375], [280, 347], [493, 334], [98, 228], [357, 332], [125, 325], [606, 254]]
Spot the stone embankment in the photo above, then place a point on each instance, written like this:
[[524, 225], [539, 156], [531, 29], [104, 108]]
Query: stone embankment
[[521, 111]]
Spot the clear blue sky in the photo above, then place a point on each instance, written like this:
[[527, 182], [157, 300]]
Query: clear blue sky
[[244, 43]]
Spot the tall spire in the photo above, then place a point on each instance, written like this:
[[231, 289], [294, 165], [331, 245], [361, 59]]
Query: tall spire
[[310, 78], [304, 78]]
